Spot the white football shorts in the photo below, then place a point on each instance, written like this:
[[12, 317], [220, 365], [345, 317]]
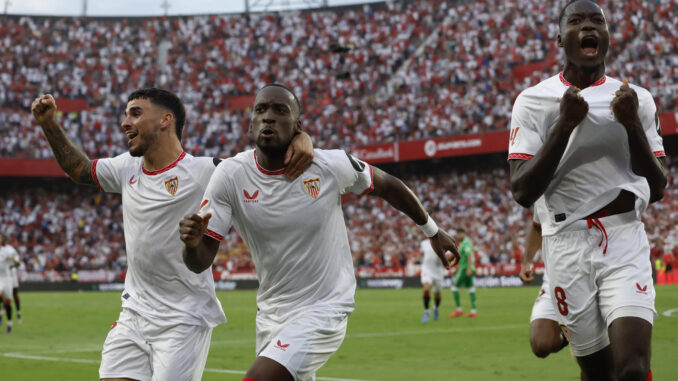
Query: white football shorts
[[436, 282], [598, 274], [543, 307], [305, 342], [140, 349]]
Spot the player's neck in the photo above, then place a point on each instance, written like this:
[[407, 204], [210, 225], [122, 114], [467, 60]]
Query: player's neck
[[161, 155], [270, 161], [583, 77]]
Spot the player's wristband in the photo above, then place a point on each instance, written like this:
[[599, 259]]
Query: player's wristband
[[429, 228]]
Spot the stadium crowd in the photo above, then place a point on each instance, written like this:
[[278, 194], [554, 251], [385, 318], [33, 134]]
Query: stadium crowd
[[416, 69], [61, 229]]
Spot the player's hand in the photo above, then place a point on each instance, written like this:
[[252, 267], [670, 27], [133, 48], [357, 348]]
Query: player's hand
[[298, 156], [446, 249], [192, 228], [573, 108], [468, 272], [526, 274], [625, 106], [44, 109]]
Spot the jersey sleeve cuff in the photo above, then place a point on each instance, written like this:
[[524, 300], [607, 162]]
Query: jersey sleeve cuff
[[371, 187], [214, 235], [520, 156], [659, 153], [94, 175]]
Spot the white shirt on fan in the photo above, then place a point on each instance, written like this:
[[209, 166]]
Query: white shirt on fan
[[295, 230], [596, 164], [158, 285]]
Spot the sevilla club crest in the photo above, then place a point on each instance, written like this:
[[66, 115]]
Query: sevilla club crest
[[312, 187], [172, 185]]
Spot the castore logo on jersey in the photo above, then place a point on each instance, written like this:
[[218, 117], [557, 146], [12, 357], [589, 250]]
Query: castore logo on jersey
[[251, 197]]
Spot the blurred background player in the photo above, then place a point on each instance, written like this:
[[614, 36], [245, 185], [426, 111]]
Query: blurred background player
[[297, 235], [465, 274], [15, 277], [8, 259], [546, 335], [589, 144], [432, 274], [168, 312]]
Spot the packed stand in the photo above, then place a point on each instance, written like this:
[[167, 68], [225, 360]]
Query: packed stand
[[60, 230], [459, 82]]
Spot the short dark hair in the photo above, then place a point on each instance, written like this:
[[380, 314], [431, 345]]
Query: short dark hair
[[461, 229], [286, 88], [166, 99]]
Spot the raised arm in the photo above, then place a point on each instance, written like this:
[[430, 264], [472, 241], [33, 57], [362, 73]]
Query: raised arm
[[530, 178], [396, 193], [299, 155], [643, 161], [199, 249], [70, 158], [532, 245]]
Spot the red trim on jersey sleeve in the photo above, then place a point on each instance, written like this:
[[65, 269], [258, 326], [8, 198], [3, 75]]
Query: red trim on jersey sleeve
[[167, 168], [520, 156], [659, 153], [266, 171], [568, 84], [94, 175], [371, 188], [214, 235], [537, 224]]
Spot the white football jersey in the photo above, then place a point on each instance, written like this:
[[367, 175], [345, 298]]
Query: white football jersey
[[158, 285], [596, 164], [7, 255], [431, 264], [295, 230]]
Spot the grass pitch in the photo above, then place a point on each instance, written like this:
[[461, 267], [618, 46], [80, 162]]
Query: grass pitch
[[62, 335]]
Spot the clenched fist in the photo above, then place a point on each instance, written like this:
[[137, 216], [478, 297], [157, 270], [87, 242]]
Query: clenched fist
[[625, 106], [573, 108], [192, 228], [44, 109]]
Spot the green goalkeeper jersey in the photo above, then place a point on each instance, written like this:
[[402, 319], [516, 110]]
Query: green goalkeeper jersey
[[465, 251]]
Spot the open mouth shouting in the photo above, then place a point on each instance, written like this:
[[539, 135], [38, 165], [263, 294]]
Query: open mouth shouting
[[267, 132], [131, 134], [589, 46]]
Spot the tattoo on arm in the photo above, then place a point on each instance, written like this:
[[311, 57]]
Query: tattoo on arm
[[70, 158]]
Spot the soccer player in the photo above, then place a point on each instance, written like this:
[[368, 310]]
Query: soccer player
[[589, 144], [465, 274], [8, 259], [432, 274], [297, 237], [164, 329], [546, 335], [16, 262]]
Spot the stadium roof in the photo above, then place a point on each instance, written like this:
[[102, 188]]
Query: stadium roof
[[98, 8]]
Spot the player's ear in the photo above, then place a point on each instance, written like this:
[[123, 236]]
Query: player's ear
[[166, 120], [560, 41], [297, 125]]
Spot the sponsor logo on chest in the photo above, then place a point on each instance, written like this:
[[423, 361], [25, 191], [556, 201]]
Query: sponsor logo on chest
[[250, 198]]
